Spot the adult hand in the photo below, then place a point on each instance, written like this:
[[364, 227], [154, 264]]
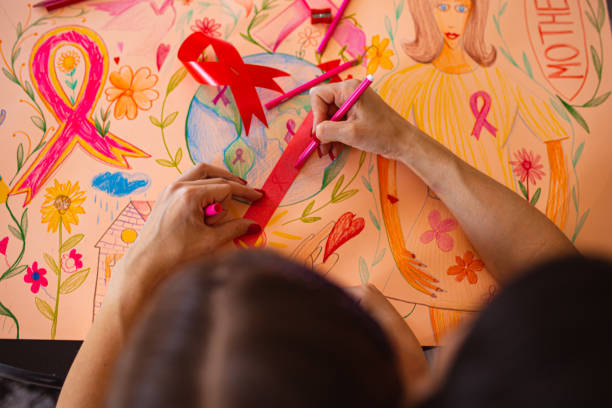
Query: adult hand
[[370, 124], [177, 231]]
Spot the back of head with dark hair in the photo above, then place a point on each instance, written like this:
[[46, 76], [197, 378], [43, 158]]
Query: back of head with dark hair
[[255, 330], [545, 341]]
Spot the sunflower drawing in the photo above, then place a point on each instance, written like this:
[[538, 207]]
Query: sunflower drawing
[[69, 60], [61, 206]]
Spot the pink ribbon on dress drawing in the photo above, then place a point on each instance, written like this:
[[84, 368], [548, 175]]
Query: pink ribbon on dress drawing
[[75, 124], [481, 115]]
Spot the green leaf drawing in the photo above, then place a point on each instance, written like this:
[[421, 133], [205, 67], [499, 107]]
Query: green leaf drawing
[[509, 57], [10, 76], [527, 65], [71, 242], [51, 263], [337, 186], [169, 119], [497, 27], [4, 311], [562, 112], [523, 190], [366, 183], [39, 122], [374, 220], [536, 197], [24, 222], [364, 273], [575, 199], [98, 126], [502, 10], [596, 62], [15, 232], [15, 55], [576, 115], [19, 29], [258, 20], [388, 27], [165, 163], [309, 220], [399, 10], [29, 90], [176, 79], [598, 100], [155, 121], [178, 156], [74, 281], [44, 308], [379, 257], [601, 15], [592, 19], [308, 209], [578, 154], [344, 196], [19, 156], [580, 224], [13, 272]]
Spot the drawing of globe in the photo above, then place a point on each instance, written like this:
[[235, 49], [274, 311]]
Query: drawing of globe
[[215, 133]]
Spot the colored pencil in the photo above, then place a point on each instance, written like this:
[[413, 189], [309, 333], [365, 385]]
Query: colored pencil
[[55, 4], [332, 26], [304, 87], [213, 209], [337, 116]]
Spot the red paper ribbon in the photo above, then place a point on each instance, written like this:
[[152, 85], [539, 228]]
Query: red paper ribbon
[[278, 182], [230, 69]]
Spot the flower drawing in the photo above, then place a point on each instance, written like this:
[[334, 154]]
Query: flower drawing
[[308, 37], [69, 60], [36, 276], [439, 231], [71, 262], [207, 26], [466, 266], [4, 190], [378, 55], [131, 91], [4, 245], [62, 204], [527, 166]]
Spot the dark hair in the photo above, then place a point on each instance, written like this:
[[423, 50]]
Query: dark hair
[[255, 330], [544, 342]]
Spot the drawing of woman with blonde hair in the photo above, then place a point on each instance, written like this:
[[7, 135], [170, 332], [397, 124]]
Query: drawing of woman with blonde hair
[[457, 96]]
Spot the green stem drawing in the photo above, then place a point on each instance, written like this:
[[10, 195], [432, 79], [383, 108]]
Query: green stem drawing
[[392, 32], [164, 121], [339, 194], [259, 17], [375, 218], [59, 281]]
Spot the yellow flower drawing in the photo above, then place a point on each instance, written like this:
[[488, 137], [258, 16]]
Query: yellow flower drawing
[[69, 60], [132, 91], [4, 190], [62, 204], [378, 55]]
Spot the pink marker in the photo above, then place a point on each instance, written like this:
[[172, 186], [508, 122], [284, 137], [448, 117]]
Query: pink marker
[[285, 97], [337, 116], [332, 26], [213, 209]]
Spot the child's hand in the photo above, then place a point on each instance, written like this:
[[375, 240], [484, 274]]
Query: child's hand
[[177, 232]]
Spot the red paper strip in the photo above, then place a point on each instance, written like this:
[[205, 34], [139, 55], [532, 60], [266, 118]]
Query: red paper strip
[[278, 182], [230, 69]]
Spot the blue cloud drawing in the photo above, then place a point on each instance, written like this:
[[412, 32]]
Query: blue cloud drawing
[[120, 184]]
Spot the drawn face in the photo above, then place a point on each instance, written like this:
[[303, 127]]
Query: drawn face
[[451, 17]]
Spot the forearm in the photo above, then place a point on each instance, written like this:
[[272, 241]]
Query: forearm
[[508, 233]]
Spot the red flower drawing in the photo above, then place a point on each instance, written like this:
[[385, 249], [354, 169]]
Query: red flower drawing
[[439, 230], [207, 26], [35, 276], [527, 167], [3, 245], [466, 266], [72, 262]]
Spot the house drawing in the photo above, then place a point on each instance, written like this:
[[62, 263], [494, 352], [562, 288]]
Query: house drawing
[[115, 241]]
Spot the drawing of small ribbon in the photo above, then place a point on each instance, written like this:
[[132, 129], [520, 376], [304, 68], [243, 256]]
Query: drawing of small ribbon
[[239, 153], [290, 130], [481, 114], [230, 69], [76, 125]]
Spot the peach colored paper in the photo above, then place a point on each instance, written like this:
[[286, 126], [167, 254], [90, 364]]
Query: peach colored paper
[[98, 116]]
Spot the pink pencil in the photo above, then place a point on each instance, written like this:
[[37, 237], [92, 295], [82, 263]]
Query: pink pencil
[[332, 26], [337, 116], [304, 87], [213, 209]]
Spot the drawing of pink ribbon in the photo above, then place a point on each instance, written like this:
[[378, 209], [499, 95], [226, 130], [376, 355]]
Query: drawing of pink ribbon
[[239, 153], [221, 95], [481, 115], [75, 124], [290, 130]]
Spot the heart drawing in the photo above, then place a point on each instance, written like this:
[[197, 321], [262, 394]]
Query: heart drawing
[[347, 227]]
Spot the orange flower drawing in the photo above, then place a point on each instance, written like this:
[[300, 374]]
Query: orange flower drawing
[[132, 91], [466, 266], [69, 60], [378, 55]]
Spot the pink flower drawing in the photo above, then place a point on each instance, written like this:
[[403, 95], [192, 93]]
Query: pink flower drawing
[[207, 26], [71, 262], [3, 245], [439, 231], [35, 276], [527, 166]]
